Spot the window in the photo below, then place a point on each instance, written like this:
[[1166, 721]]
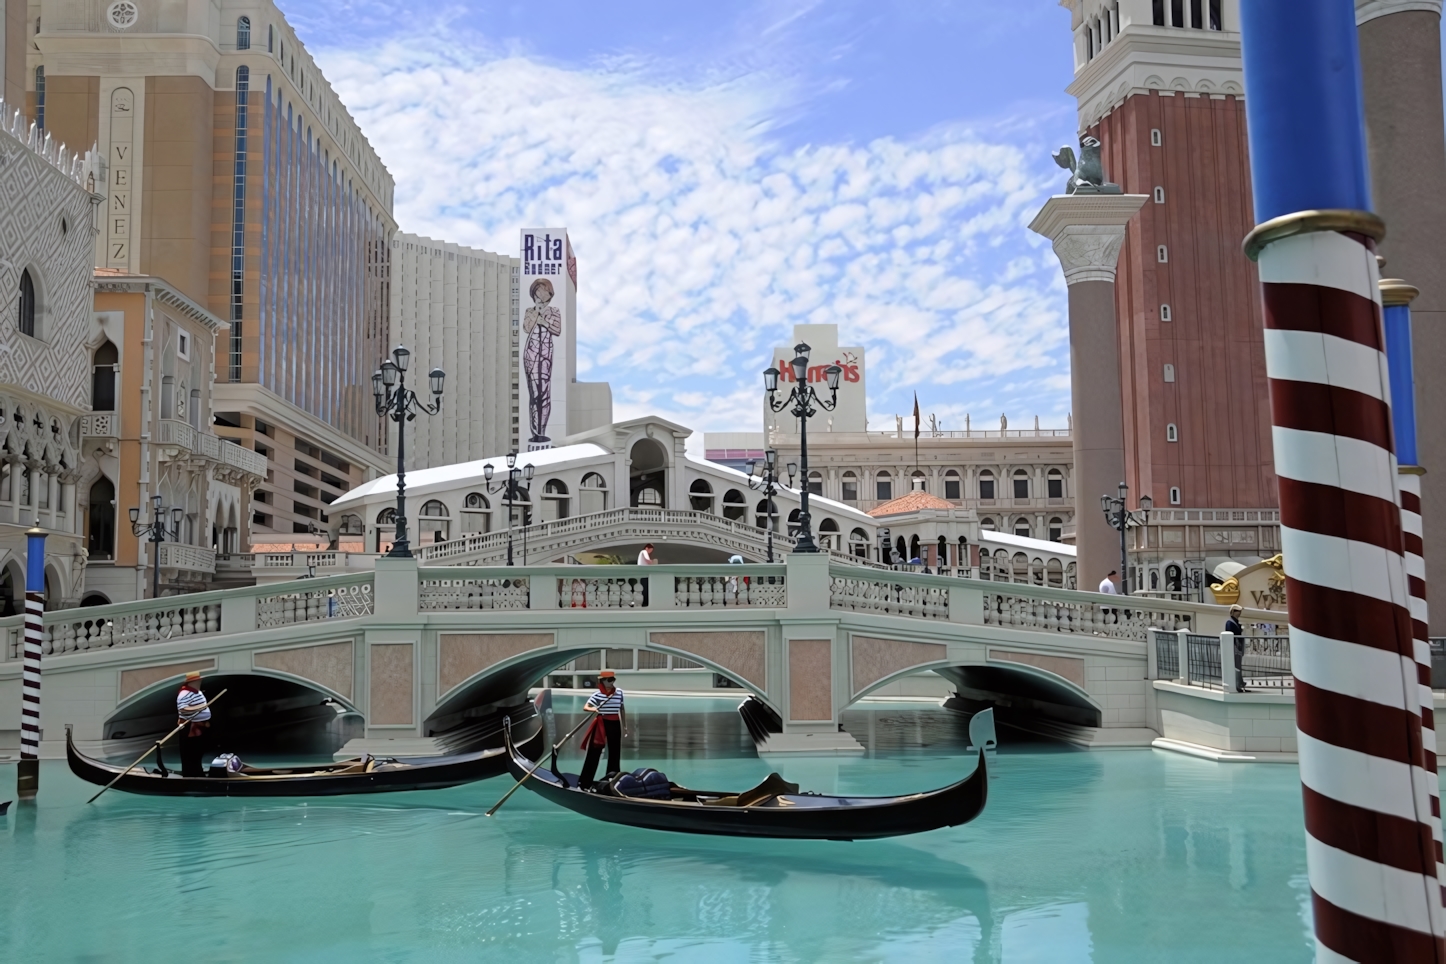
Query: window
[[734, 505], [883, 487], [987, 523], [432, 525], [243, 33], [1165, 313], [815, 483], [1169, 373], [1159, 195], [850, 487], [1155, 139], [1021, 527], [351, 525], [1172, 433], [476, 513], [1197, 21], [1055, 483], [26, 319], [102, 377], [1174, 495], [829, 534], [593, 496], [39, 95], [100, 535], [859, 543], [765, 515], [700, 496], [1177, 13], [986, 485], [1162, 254], [183, 346], [238, 221], [1056, 529], [952, 485], [270, 39], [1021, 484], [554, 500], [1215, 21]]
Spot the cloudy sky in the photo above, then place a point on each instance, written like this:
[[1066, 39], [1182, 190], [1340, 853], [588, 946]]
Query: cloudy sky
[[729, 169]]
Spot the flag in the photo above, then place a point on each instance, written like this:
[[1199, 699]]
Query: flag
[[916, 415]]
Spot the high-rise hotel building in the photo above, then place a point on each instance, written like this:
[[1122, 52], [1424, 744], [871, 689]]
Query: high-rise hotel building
[[1160, 84], [236, 175]]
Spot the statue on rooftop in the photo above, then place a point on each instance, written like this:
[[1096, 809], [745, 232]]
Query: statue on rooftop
[[1087, 174]]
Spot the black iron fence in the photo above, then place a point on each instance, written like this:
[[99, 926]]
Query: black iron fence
[[1231, 663]]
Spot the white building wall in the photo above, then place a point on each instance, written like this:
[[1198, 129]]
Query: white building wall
[[452, 306]]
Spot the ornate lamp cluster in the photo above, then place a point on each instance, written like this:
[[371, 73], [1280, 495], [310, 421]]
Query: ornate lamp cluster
[[800, 404], [1121, 519], [513, 474], [394, 400], [767, 482], [165, 524]]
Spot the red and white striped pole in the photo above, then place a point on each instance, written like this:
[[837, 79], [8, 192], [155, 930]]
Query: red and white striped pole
[[1372, 814], [27, 777]]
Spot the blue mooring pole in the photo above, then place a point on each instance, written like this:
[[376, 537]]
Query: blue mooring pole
[[1363, 723], [27, 777]]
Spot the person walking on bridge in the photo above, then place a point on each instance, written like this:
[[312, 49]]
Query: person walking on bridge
[[608, 728], [192, 708]]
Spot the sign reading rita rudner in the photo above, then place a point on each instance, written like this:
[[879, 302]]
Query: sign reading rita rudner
[[547, 326]]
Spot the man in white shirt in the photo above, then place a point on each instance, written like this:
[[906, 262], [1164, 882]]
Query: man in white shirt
[[1107, 584], [193, 708], [645, 558]]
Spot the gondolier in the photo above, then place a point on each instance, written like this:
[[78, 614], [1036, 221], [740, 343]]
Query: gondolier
[[607, 729], [192, 708]]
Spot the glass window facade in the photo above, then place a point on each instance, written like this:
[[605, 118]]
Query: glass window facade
[[238, 221]]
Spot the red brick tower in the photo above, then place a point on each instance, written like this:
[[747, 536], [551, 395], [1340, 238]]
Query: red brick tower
[[1159, 83]]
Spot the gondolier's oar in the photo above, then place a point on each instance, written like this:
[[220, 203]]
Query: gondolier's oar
[[154, 747], [587, 718]]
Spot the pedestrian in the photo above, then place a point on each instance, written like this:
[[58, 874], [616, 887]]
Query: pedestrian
[[646, 558], [607, 729], [193, 709], [1232, 625], [1107, 586]]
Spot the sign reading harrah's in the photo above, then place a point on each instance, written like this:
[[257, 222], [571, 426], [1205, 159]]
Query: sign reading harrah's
[[547, 329], [851, 414]]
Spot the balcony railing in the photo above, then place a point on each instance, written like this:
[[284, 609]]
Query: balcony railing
[[182, 435], [177, 555], [100, 425], [1224, 662]]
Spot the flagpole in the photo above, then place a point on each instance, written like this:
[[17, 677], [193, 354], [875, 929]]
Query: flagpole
[[916, 439]]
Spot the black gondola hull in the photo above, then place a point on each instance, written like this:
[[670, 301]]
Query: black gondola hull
[[795, 816], [414, 773]]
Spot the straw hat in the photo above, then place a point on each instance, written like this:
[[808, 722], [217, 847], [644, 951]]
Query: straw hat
[[1237, 608], [607, 674], [192, 676]]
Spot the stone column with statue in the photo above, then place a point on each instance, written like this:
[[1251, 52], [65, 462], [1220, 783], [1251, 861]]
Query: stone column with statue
[[1087, 226]]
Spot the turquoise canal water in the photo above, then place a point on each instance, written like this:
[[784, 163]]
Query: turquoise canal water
[[1126, 855]]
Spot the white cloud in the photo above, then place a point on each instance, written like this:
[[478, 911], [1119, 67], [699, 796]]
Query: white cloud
[[700, 241]]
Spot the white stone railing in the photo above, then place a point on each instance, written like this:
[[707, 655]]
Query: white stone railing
[[473, 592], [100, 425], [86, 629], [731, 588], [337, 598], [178, 555], [902, 594], [1090, 613], [171, 431]]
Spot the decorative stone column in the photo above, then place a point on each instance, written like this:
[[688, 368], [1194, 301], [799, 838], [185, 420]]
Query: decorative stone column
[[1088, 231], [1400, 44]]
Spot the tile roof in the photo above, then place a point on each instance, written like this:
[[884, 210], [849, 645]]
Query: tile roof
[[912, 502]]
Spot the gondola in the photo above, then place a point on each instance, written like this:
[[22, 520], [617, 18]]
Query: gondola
[[774, 808], [359, 775]]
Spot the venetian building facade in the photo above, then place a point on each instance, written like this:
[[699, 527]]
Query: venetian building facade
[[1159, 83], [236, 176], [151, 392], [45, 250]]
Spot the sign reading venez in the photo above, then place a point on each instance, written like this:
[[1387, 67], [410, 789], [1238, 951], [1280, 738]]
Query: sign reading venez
[[548, 332]]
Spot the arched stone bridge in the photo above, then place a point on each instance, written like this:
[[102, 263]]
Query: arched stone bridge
[[421, 651]]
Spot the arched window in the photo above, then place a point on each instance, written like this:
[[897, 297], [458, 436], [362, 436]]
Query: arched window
[[386, 524], [1172, 578], [1021, 484], [1054, 574], [850, 487], [351, 525], [795, 521], [700, 496], [26, 318], [1020, 568], [650, 497], [1056, 529], [432, 523], [943, 551], [102, 377], [476, 513], [1055, 483], [554, 500], [735, 506], [918, 482], [765, 515], [986, 485], [1174, 495], [243, 33], [815, 483], [987, 523], [952, 486], [916, 551], [902, 548], [270, 39], [593, 496], [100, 529], [859, 543], [1021, 527], [883, 487], [387, 517]]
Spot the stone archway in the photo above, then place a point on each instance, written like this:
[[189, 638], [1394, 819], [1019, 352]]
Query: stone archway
[[648, 474]]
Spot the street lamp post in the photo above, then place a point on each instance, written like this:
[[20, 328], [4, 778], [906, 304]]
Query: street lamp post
[[156, 532], [394, 400], [1121, 518], [767, 483], [800, 404], [513, 474]]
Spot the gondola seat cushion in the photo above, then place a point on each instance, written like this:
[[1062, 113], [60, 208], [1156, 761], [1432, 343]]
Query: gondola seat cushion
[[643, 782]]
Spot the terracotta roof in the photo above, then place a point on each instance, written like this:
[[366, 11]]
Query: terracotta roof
[[912, 502]]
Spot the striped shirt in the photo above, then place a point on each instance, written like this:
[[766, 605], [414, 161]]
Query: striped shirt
[[186, 702], [605, 704]]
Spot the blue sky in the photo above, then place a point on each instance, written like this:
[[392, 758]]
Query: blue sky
[[729, 169]]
